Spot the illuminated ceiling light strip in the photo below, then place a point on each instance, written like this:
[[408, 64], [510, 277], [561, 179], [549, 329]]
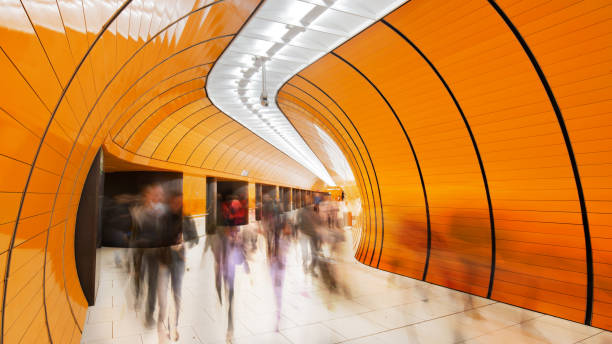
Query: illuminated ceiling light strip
[[285, 36]]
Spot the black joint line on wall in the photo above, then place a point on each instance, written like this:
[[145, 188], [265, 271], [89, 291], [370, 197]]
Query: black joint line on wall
[[474, 144], [364, 145], [42, 139], [411, 148], [339, 137], [570, 151]]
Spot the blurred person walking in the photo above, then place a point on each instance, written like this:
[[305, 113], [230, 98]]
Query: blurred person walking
[[148, 219], [278, 258], [234, 255], [180, 231], [310, 242]]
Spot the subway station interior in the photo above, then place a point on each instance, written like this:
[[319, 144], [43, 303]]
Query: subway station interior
[[306, 171]]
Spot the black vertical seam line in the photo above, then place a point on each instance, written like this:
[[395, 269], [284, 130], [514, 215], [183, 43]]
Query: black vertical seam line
[[96, 102], [116, 41], [334, 130], [99, 127], [367, 200], [362, 142], [31, 131], [62, 95], [133, 131], [225, 151], [145, 92], [176, 125], [217, 144], [204, 139], [93, 78], [307, 144], [335, 133], [25, 80], [407, 139], [570, 151], [146, 103], [50, 64], [149, 101], [187, 132], [476, 150], [70, 49]]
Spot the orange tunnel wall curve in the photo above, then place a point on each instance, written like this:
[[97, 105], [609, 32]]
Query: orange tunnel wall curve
[[487, 126], [121, 75]]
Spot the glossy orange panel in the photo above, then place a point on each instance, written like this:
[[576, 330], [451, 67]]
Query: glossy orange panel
[[194, 194], [448, 84], [139, 90], [57, 63]]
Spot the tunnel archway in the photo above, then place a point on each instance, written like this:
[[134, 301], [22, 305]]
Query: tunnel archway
[[477, 134]]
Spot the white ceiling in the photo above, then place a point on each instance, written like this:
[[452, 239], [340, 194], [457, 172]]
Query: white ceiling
[[288, 35]]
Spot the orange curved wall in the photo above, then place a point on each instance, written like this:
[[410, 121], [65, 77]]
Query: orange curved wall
[[480, 134], [118, 74]]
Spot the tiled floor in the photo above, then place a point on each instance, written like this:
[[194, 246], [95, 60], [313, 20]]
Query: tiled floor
[[381, 308]]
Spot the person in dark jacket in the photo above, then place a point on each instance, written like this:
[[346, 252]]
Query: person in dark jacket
[[148, 223], [180, 231]]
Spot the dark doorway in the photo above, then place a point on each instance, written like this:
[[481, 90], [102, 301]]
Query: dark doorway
[[122, 191], [87, 236], [269, 190], [285, 198]]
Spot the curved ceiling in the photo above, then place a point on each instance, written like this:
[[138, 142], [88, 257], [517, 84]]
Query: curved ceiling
[[477, 133], [281, 38]]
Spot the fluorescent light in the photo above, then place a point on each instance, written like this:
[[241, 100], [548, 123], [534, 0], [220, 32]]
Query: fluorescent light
[[289, 35]]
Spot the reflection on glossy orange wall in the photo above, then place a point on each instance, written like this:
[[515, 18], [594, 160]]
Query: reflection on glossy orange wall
[[444, 103], [118, 73], [194, 194]]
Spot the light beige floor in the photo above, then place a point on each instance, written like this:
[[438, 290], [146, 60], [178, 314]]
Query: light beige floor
[[382, 308]]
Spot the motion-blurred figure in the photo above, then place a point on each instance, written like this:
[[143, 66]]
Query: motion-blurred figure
[[310, 243], [117, 224], [329, 211], [180, 231], [148, 220], [280, 238], [332, 240], [234, 256], [268, 222]]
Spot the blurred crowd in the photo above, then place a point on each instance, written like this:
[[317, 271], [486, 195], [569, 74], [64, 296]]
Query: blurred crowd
[[158, 233]]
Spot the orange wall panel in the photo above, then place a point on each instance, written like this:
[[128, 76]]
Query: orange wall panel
[[194, 194], [488, 126]]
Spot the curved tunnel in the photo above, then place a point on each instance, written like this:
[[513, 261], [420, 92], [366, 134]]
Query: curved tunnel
[[477, 132]]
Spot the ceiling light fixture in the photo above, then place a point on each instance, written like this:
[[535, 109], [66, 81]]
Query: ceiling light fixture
[[280, 39]]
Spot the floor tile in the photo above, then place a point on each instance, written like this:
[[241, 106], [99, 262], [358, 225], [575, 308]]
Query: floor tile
[[312, 334], [354, 326], [98, 331], [378, 307], [600, 338]]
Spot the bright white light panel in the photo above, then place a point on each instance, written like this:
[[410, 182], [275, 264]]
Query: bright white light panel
[[288, 35]]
